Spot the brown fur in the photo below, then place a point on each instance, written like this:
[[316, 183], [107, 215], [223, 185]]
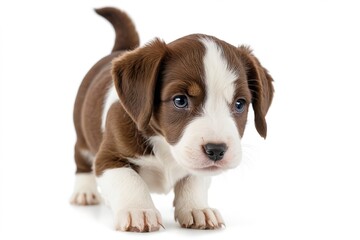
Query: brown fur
[[87, 111], [126, 36], [135, 76], [260, 84], [89, 100]]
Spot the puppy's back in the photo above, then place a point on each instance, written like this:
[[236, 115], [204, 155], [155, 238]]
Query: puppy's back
[[92, 91]]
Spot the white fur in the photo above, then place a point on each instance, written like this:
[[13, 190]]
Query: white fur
[[85, 190], [129, 198], [110, 98], [191, 204], [216, 124], [219, 77], [192, 194], [160, 171]]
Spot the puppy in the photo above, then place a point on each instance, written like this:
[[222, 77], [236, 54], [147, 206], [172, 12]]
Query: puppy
[[162, 117]]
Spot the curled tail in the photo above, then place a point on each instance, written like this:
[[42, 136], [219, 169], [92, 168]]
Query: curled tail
[[127, 37]]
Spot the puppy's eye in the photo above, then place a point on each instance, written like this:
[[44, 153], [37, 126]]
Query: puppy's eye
[[240, 105], [180, 101]]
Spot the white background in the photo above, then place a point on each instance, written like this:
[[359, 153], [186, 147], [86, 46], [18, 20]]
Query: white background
[[302, 182]]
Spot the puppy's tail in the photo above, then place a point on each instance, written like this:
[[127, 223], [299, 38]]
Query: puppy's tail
[[127, 37]]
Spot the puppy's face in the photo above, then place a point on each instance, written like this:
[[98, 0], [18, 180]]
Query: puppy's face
[[197, 93], [204, 99]]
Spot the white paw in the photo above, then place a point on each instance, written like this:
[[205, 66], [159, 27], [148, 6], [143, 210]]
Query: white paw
[[85, 190], [85, 198], [206, 218], [138, 220]]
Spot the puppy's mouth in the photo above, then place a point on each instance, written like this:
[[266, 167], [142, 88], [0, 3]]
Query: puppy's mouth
[[213, 168], [197, 162]]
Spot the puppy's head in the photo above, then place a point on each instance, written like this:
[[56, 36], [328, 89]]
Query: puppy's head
[[195, 92]]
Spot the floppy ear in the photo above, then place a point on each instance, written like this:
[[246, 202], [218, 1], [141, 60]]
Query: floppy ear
[[260, 84], [135, 75]]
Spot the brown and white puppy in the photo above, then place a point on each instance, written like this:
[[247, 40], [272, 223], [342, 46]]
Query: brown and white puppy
[[161, 117]]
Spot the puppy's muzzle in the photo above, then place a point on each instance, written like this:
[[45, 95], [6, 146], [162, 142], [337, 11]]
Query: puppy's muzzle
[[215, 152]]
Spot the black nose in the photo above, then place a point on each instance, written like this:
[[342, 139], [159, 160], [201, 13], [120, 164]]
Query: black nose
[[214, 151]]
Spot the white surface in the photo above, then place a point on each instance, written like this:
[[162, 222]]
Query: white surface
[[303, 182]]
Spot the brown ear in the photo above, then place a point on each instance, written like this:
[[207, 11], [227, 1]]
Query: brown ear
[[135, 75], [260, 84]]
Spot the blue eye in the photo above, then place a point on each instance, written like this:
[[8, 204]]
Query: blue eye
[[180, 101], [240, 105]]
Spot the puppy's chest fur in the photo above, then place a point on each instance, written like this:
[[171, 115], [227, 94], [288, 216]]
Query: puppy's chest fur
[[160, 171]]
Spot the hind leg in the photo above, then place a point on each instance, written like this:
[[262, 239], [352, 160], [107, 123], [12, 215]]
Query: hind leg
[[85, 188]]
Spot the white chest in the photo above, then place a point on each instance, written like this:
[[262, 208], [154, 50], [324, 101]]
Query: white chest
[[160, 171]]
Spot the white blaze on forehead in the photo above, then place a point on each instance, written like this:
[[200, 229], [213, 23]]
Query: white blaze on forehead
[[219, 77]]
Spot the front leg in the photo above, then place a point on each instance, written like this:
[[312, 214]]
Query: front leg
[[129, 198], [191, 205]]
